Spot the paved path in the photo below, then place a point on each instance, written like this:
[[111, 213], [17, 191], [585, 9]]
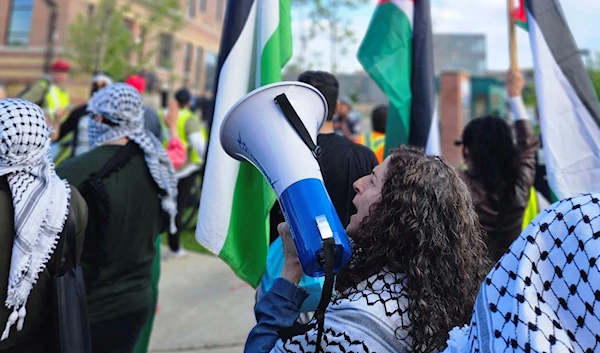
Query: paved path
[[203, 307]]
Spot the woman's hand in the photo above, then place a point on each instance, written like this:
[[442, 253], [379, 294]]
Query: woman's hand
[[292, 270]]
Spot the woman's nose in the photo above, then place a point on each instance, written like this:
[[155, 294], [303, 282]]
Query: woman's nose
[[358, 185]]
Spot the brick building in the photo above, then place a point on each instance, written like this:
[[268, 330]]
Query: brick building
[[24, 42]]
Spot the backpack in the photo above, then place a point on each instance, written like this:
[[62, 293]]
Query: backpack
[[36, 92]]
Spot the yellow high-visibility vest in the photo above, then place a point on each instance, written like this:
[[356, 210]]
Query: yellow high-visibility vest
[[184, 116], [56, 98], [375, 141]]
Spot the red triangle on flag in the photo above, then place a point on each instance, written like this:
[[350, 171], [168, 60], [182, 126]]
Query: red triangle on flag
[[520, 14]]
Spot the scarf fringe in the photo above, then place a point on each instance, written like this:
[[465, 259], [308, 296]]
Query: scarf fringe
[[15, 299]]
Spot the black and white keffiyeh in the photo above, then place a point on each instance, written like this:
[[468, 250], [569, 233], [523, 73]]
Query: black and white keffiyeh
[[122, 106], [40, 199], [372, 317], [544, 294]]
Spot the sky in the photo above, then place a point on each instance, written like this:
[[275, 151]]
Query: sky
[[459, 16]]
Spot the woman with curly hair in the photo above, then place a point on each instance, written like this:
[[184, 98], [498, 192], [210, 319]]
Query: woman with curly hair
[[419, 257]]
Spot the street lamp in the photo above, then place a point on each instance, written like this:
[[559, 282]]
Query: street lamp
[[50, 39]]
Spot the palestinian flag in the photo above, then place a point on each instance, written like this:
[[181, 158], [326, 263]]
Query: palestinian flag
[[568, 105], [397, 52], [233, 220]]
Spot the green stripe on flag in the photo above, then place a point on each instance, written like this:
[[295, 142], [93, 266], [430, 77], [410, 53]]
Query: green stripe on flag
[[278, 50], [246, 245], [386, 55]]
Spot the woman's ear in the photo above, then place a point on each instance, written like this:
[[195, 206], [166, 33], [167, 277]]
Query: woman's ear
[[465, 153]]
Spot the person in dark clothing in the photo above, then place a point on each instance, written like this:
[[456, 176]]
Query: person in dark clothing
[[73, 130], [500, 174], [130, 187], [34, 206], [342, 161]]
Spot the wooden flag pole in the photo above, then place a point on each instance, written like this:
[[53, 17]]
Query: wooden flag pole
[[512, 36]]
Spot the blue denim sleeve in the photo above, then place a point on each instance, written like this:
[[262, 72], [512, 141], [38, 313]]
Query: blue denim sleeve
[[278, 309]]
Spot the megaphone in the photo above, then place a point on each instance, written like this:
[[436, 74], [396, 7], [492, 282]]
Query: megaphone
[[257, 130]]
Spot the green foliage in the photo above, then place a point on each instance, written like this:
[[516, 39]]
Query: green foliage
[[529, 95], [101, 40], [594, 68], [327, 16]]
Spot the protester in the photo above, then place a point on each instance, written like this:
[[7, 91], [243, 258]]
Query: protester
[[345, 122], [177, 154], [34, 206], [129, 184], [195, 137], [500, 174], [375, 140], [342, 162], [74, 130], [543, 294], [151, 119], [419, 257]]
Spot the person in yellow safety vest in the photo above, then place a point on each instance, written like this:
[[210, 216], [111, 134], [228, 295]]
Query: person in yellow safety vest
[[195, 138], [57, 102], [375, 140]]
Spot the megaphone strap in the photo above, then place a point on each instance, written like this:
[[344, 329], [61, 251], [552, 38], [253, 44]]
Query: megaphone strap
[[299, 329], [293, 118]]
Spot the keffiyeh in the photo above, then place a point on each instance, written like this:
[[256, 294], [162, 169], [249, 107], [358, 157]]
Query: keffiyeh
[[40, 199], [544, 294], [372, 317], [122, 106]]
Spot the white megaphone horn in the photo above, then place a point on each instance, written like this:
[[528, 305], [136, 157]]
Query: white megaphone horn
[[275, 128]]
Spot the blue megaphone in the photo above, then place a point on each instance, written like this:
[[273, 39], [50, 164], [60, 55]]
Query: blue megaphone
[[258, 129]]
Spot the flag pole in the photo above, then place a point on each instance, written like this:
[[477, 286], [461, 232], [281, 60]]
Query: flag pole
[[512, 36]]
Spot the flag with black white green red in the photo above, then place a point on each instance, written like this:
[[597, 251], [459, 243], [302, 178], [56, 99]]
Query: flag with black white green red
[[567, 102], [233, 220], [397, 52]]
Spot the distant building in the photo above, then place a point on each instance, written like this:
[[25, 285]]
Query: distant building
[[24, 39], [464, 52]]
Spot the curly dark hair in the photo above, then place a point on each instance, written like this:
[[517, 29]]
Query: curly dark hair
[[425, 227]]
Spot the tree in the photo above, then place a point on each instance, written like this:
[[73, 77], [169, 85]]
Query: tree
[[327, 16], [102, 41], [594, 69]]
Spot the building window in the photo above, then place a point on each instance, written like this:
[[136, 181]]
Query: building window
[[187, 58], [91, 9], [202, 6], [19, 25], [165, 50], [211, 70], [198, 68], [220, 10], [191, 8]]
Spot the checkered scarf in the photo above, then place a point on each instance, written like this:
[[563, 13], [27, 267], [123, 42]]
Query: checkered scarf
[[544, 294], [122, 106], [40, 200]]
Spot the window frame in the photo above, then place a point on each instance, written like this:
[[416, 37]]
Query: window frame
[[20, 34]]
